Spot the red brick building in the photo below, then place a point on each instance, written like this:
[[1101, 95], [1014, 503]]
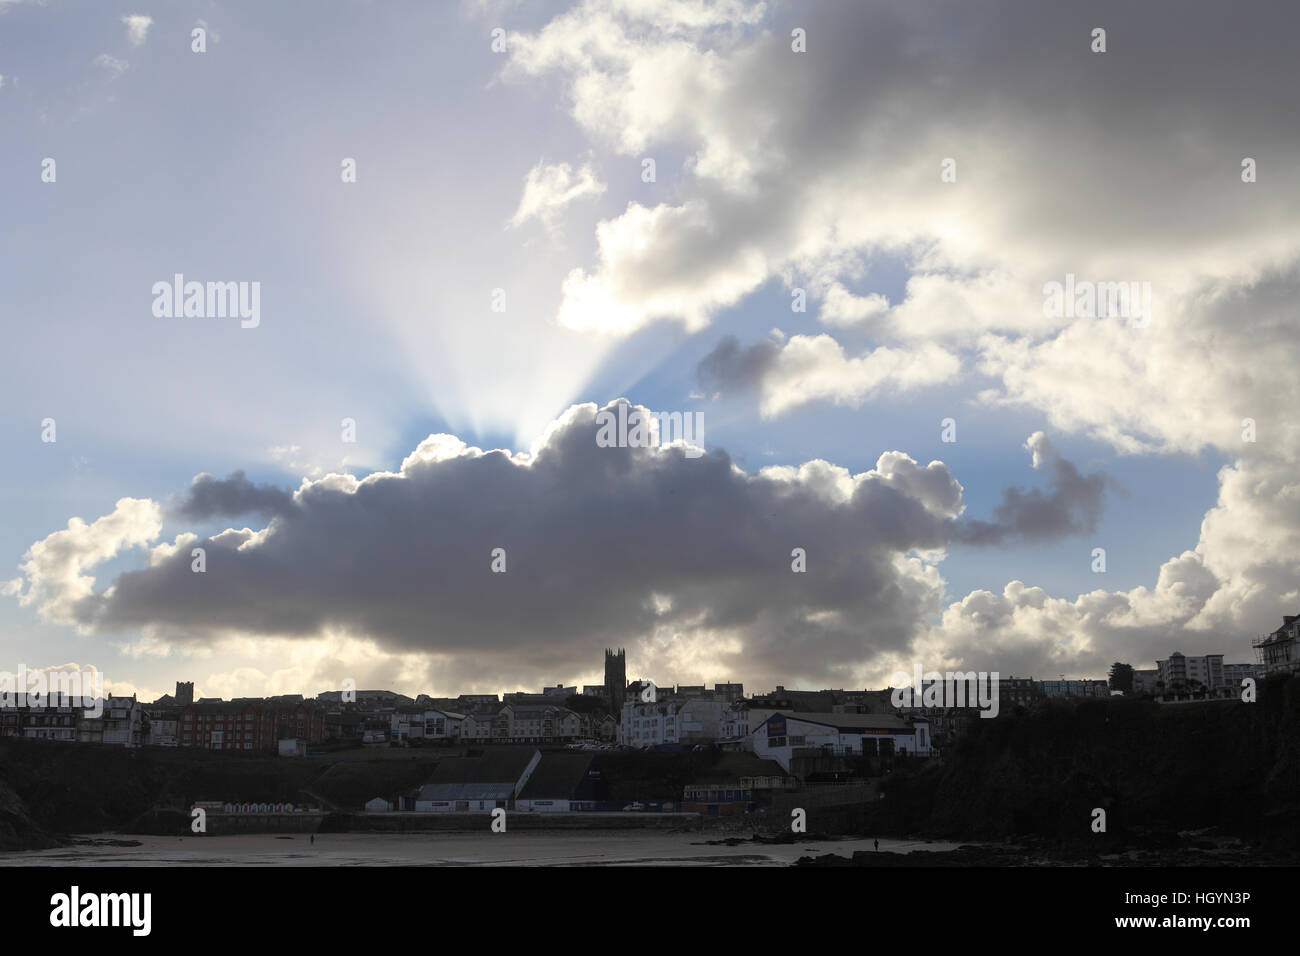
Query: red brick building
[[228, 725], [249, 724], [305, 721]]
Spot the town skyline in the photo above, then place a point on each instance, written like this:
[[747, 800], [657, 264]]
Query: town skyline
[[963, 356]]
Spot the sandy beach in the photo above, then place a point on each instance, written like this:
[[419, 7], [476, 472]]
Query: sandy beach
[[525, 848]]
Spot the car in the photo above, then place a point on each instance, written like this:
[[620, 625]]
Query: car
[[635, 806]]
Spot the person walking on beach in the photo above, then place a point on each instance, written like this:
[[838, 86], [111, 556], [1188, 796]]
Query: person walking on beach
[[877, 846]]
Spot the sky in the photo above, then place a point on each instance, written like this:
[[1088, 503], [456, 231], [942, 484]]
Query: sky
[[829, 230]]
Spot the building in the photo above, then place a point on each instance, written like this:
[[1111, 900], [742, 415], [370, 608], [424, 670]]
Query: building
[[561, 782], [298, 719], [1277, 651], [782, 736], [51, 723], [478, 784], [344, 726], [1180, 673], [730, 692], [615, 679], [123, 722], [1234, 674], [1074, 688], [531, 723], [735, 784], [245, 724], [470, 701], [376, 700], [442, 725], [118, 721], [762, 706], [1017, 692], [1145, 682], [407, 725], [672, 721]]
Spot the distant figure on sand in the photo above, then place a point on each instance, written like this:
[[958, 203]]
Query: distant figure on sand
[[313, 838], [877, 846]]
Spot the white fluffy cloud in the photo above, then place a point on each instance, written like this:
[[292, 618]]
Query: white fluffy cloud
[[137, 27], [54, 578], [549, 188]]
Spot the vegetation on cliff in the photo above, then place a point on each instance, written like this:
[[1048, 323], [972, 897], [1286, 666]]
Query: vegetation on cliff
[[1154, 768]]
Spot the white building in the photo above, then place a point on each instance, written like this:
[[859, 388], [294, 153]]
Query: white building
[[1277, 651], [1209, 671], [780, 735], [673, 721], [52, 723], [425, 723]]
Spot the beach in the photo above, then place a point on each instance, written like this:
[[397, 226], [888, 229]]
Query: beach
[[524, 848]]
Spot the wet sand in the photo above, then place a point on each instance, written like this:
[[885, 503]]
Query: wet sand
[[525, 848]]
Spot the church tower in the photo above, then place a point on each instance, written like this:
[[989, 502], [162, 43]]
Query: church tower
[[616, 680]]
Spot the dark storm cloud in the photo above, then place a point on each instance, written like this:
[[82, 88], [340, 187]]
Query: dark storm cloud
[[603, 545], [231, 497]]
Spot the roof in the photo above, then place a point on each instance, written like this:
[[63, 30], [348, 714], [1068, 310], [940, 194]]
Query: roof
[[557, 776], [498, 766], [449, 792], [731, 766], [208, 706], [531, 710], [851, 722], [811, 701]]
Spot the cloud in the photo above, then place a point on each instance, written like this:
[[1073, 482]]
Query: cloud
[[838, 164], [812, 368], [112, 64], [548, 189], [732, 368], [841, 308], [137, 27], [233, 496], [1118, 167], [54, 578], [1073, 506], [688, 559], [654, 265]]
